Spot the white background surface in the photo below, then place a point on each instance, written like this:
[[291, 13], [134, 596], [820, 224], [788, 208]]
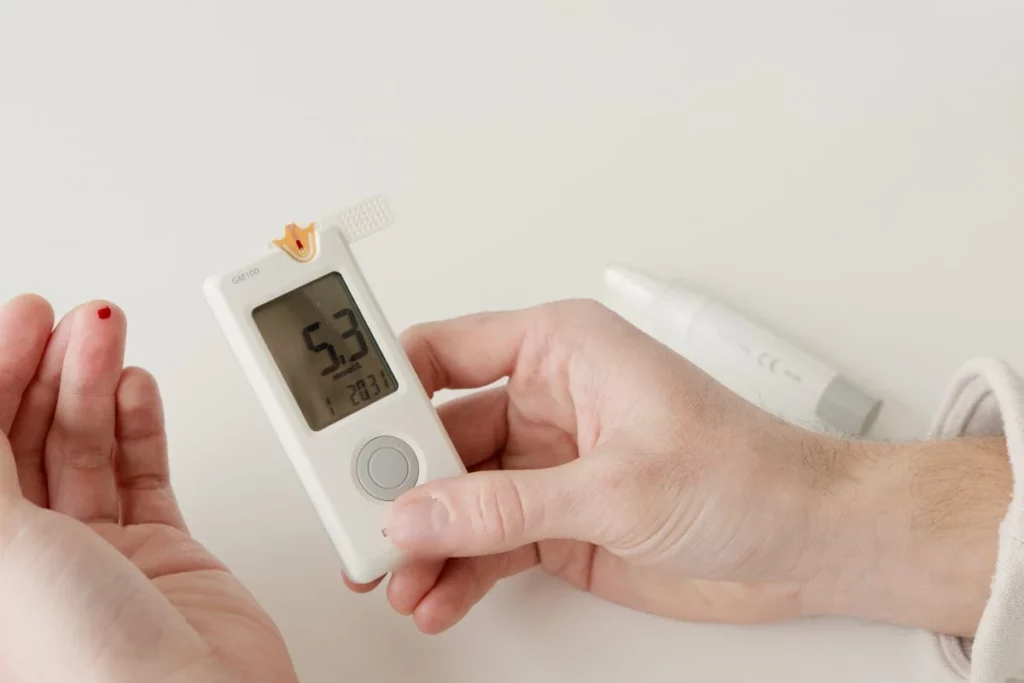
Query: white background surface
[[851, 174]]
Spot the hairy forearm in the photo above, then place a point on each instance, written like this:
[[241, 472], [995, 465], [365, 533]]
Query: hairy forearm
[[914, 533]]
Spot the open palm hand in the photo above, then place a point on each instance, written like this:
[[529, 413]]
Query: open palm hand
[[99, 577]]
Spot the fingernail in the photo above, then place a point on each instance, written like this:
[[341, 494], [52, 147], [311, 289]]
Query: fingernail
[[420, 520]]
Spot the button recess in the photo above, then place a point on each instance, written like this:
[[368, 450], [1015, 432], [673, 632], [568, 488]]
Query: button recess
[[386, 467]]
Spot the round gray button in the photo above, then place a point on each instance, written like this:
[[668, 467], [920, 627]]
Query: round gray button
[[386, 467]]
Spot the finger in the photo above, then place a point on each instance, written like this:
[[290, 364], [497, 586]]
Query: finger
[[25, 325], [9, 489], [409, 584], [463, 583], [488, 512], [467, 352], [142, 470], [361, 587], [477, 424], [32, 425], [79, 449]]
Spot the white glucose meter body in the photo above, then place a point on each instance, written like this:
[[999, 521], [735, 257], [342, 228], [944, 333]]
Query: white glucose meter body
[[336, 386]]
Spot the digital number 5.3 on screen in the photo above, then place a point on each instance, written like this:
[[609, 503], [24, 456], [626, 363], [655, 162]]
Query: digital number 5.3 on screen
[[336, 359]]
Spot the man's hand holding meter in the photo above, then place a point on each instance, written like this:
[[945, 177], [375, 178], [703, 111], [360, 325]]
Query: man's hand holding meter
[[606, 459], [611, 462]]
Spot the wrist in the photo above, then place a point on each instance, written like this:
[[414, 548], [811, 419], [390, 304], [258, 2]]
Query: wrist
[[913, 533]]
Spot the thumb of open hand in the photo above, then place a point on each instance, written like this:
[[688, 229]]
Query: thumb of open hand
[[9, 489]]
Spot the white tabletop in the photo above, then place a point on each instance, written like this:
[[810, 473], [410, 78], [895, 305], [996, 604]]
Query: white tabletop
[[850, 174]]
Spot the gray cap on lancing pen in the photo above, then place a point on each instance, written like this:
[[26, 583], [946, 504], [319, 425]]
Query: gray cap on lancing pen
[[846, 407]]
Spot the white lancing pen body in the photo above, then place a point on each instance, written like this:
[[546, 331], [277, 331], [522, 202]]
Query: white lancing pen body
[[744, 357]]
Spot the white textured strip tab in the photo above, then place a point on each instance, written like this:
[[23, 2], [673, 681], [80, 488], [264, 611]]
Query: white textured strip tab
[[362, 219]]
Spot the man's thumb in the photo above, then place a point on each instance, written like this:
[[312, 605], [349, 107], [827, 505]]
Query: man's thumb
[[494, 511]]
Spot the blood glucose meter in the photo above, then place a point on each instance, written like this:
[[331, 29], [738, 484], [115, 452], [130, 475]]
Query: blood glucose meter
[[334, 382]]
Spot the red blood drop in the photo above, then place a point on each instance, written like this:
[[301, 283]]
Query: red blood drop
[[104, 313], [298, 243]]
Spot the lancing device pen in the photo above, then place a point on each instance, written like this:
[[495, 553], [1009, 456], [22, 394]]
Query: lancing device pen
[[747, 359]]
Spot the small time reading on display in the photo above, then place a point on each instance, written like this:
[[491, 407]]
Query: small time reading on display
[[330, 360]]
